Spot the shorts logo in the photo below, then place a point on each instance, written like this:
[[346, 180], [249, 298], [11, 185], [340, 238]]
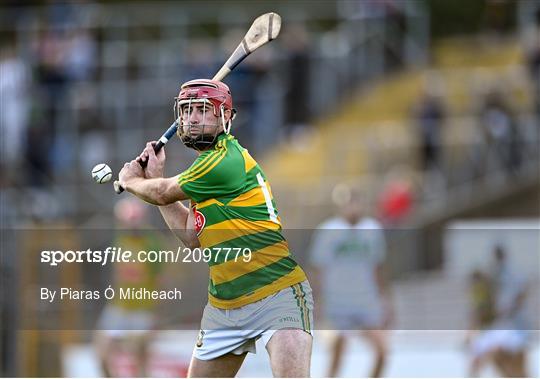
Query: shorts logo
[[200, 338], [289, 319], [199, 221]]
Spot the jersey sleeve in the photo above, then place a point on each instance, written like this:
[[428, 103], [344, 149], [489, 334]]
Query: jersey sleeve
[[214, 174]]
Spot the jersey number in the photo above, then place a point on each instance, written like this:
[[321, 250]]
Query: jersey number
[[267, 198]]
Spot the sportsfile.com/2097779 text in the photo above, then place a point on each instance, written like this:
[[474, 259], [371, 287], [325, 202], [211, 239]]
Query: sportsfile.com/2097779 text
[[119, 255]]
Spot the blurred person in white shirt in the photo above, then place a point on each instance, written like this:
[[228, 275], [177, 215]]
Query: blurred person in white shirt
[[348, 254]]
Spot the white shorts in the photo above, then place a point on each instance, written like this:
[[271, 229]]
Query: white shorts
[[512, 341], [236, 330]]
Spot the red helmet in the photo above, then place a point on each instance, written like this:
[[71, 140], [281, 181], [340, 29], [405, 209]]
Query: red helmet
[[218, 93]]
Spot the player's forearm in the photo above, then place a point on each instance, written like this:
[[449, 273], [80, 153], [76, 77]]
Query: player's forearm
[[177, 217], [146, 189], [157, 191]]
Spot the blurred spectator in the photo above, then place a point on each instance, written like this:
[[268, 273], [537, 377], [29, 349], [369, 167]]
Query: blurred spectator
[[499, 312], [52, 79], [51, 49], [81, 55], [352, 246], [510, 289], [396, 198], [532, 51], [429, 116], [499, 15], [393, 13], [396, 24], [125, 326], [14, 102], [38, 152], [500, 131], [297, 81], [482, 314]]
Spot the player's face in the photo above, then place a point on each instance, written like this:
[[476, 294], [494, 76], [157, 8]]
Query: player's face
[[199, 125], [198, 118]]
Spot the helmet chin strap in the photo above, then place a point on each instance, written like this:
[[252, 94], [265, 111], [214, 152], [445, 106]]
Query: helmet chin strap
[[227, 125]]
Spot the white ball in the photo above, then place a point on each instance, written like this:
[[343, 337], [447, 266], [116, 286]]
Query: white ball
[[101, 173]]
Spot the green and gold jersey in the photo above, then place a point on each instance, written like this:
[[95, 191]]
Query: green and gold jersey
[[235, 211]]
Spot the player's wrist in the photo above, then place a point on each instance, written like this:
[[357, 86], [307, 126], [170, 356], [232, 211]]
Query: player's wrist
[[130, 184], [155, 173]]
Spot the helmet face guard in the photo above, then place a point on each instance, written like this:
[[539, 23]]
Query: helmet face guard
[[202, 92]]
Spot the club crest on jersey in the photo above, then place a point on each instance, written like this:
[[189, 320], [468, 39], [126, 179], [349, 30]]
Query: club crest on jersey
[[199, 221]]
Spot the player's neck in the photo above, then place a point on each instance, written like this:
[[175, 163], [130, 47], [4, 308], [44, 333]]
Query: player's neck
[[221, 135]]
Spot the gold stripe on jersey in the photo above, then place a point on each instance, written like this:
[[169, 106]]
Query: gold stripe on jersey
[[293, 277], [204, 170], [227, 230], [209, 165], [250, 198], [193, 177], [233, 269], [204, 162], [209, 202], [248, 160], [197, 166]]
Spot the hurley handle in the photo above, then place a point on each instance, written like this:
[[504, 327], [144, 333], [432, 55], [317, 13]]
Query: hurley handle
[[157, 147]]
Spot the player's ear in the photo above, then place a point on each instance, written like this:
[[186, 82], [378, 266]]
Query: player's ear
[[228, 114]]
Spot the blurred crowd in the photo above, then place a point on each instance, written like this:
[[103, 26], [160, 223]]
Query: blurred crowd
[[62, 66], [493, 133], [74, 81], [38, 71], [498, 146]]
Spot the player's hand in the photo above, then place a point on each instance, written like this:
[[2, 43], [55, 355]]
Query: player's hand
[[131, 170], [155, 163]]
